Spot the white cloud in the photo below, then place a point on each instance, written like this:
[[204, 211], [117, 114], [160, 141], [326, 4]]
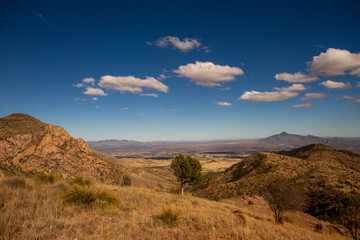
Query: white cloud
[[95, 92], [150, 95], [349, 97], [131, 84], [95, 98], [335, 85], [183, 45], [148, 43], [304, 105], [224, 104], [295, 77], [355, 72], [292, 88], [208, 74], [89, 80], [124, 108], [335, 62], [40, 16], [78, 85], [255, 96], [309, 96], [162, 76]]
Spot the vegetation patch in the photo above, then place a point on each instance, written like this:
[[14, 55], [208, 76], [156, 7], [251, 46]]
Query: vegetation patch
[[170, 216], [16, 182], [46, 178], [81, 181], [89, 197]]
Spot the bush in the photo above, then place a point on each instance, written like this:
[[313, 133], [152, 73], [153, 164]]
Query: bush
[[81, 181], [16, 182], [318, 227], [89, 197], [46, 178], [250, 202], [126, 180], [170, 217]]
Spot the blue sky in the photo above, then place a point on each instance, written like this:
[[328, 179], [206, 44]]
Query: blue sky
[[183, 70]]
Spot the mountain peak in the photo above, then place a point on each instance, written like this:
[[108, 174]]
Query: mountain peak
[[20, 123], [283, 133]]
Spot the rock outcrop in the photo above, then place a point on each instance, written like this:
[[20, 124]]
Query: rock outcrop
[[29, 146]]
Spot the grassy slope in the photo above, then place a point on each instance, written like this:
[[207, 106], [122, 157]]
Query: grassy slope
[[36, 212]]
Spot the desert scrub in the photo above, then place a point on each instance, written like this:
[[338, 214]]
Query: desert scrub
[[170, 217], [126, 180], [16, 182], [46, 178], [89, 197], [81, 181]]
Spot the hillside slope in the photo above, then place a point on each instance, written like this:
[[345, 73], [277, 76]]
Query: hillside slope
[[29, 146], [319, 169]]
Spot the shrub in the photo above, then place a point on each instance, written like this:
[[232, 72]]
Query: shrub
[[81, 181], [318, 227], [89, 197], [170, 217], [16, 182], [250, 202], [46, 178], [282, 195], [126, 180], [288, 219]]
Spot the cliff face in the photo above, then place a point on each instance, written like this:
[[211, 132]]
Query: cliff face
[[29, 146]]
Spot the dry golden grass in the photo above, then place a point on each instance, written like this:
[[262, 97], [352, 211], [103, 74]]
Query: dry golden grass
[[36, 212]]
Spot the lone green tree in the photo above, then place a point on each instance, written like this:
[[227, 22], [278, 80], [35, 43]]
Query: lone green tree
[[188, 171]]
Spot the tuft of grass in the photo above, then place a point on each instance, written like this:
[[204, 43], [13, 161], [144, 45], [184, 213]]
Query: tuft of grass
[[16, 182], [318, 227], [89, 197], [126, 180], [170, 217], [46, 178], [81, 181], [288, 219], [250, 202]]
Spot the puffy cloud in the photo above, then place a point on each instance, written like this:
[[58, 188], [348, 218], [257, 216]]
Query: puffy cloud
[[85, 82], [309, 96], [149, 95], [335, 85], [162, 76], [295, 77], [292, 88], [255, 96], [183, 45], [304, 105], [208, 74], [89, 80], [95, 92], [224, 104], [335, 62], [131, 84], [355, 72]]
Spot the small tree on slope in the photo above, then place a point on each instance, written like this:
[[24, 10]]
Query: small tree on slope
[[283, 196], [188, 171]]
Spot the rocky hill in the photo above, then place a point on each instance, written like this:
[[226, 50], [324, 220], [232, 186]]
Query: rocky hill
[[323, 172], [29, 146]]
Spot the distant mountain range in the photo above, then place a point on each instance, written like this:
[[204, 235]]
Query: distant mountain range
[[282, 141]]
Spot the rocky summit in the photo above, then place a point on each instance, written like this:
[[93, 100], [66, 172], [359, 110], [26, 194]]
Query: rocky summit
[[29, 146]]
